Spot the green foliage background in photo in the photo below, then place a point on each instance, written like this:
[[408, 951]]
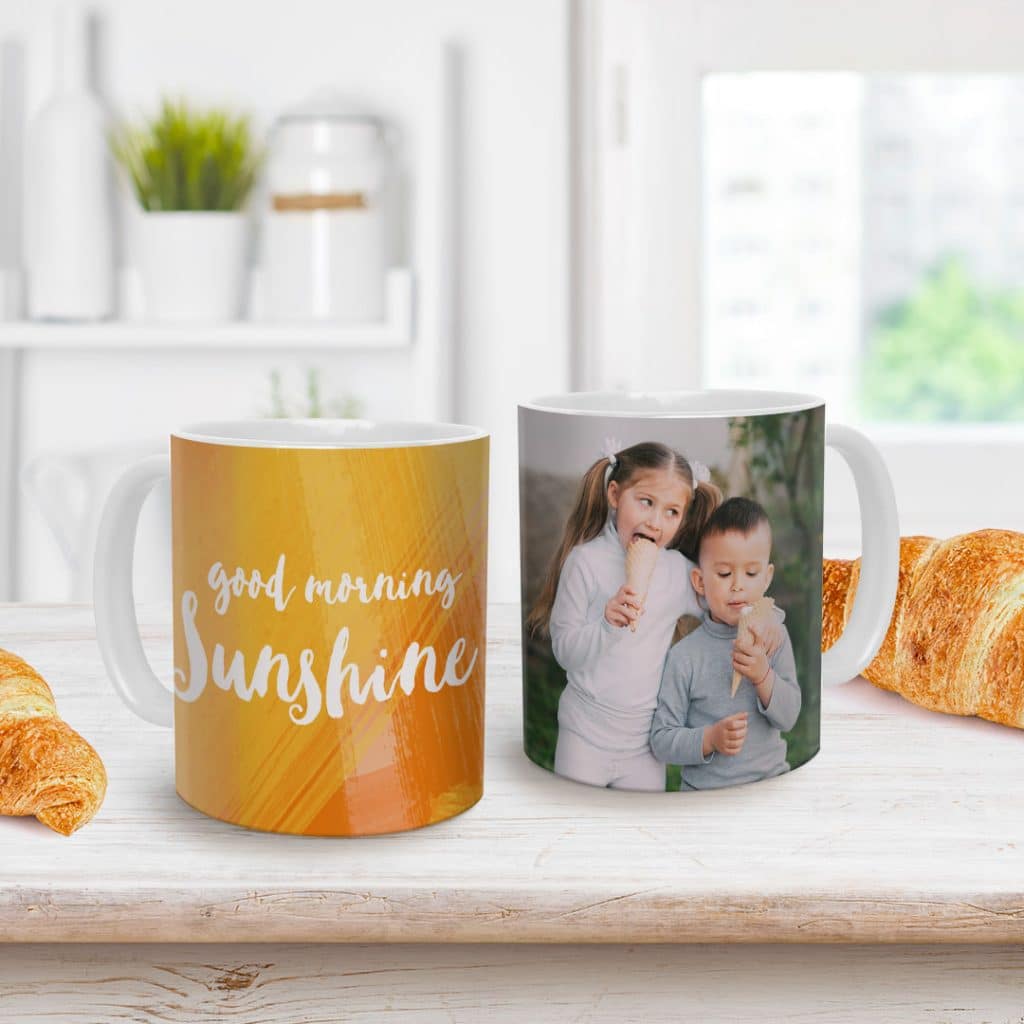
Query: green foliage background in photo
[[785, 458]]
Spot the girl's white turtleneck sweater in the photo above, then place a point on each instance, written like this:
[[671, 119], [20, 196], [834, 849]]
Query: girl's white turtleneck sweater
[[613, 673]]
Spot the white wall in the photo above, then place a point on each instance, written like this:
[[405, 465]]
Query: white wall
[[509, 321]]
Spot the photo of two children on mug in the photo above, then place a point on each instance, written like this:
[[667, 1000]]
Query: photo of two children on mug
[[635, 693]]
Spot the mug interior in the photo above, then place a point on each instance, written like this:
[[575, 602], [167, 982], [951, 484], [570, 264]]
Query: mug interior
[[326, 433], [724, 402]]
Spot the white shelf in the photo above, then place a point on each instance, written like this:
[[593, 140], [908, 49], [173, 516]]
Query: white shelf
[[394, 333]]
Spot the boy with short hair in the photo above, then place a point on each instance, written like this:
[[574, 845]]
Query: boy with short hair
[[717, 739]]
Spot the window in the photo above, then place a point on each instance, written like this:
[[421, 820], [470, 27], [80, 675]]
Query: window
[[864, 239]]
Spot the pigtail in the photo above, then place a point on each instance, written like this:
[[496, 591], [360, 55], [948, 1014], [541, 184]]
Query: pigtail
[[706, 498], [586, 521]]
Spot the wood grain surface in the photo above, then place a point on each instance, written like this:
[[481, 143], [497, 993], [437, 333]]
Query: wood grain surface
[[510, 984], [907, 828]]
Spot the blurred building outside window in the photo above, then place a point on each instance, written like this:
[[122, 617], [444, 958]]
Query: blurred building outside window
[[863, 239]]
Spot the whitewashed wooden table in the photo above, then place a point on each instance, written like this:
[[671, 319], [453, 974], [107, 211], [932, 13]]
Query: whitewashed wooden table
[[884, 880]]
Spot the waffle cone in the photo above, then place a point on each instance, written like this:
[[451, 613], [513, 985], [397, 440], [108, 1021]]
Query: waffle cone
[[641, 558], [757, 615]]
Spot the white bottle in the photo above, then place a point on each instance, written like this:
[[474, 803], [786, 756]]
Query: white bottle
[[69, 209]]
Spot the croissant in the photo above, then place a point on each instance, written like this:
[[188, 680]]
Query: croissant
[[956, 640], [46, 768]]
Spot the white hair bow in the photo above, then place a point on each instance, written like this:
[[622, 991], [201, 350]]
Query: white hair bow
[[608, 450], [611, 446]]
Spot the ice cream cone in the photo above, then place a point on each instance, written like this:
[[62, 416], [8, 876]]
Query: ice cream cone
[[756, 615], [641, 558]]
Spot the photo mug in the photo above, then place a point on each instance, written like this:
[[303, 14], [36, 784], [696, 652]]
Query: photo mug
[[671, 575], [330, 597]]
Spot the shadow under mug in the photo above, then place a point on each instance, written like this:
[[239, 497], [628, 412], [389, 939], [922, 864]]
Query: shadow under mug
[[639, 709], [330, 599]]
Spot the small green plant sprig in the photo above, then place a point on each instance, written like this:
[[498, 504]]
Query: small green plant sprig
[[187, 159], [314, 406]]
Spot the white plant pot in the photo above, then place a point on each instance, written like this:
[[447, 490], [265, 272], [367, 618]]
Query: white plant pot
[[193, 265]]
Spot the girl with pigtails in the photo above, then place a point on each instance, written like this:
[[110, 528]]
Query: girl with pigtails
[[610, 640]]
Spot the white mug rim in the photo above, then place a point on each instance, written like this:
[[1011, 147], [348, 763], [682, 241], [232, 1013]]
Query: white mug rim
[[672, 404], [327, 433]]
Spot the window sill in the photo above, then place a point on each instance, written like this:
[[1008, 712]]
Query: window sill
[[943, 433]]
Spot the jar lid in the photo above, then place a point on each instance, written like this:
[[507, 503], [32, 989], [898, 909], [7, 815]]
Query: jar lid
[[328, 124], [329, 105]]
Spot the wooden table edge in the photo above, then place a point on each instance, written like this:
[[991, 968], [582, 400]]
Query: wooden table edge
[[382, 915]]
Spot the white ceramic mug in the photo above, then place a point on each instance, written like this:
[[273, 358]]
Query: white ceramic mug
[[614, 694]]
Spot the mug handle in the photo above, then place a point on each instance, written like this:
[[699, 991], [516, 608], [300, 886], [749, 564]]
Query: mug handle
[[880, 560], [117, 629]]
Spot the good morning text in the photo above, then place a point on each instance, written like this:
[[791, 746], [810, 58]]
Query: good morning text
[[307, 688]]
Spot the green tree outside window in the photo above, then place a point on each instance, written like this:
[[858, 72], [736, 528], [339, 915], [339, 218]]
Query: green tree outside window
[[952, 351]]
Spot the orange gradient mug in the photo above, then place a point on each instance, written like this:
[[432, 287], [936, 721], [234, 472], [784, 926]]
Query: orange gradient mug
[[330, 597]]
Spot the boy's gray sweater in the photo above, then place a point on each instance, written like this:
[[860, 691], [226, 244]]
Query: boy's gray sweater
[[694, 693]]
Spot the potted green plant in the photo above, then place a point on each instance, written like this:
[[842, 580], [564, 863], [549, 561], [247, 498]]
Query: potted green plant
[[192, 172]]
